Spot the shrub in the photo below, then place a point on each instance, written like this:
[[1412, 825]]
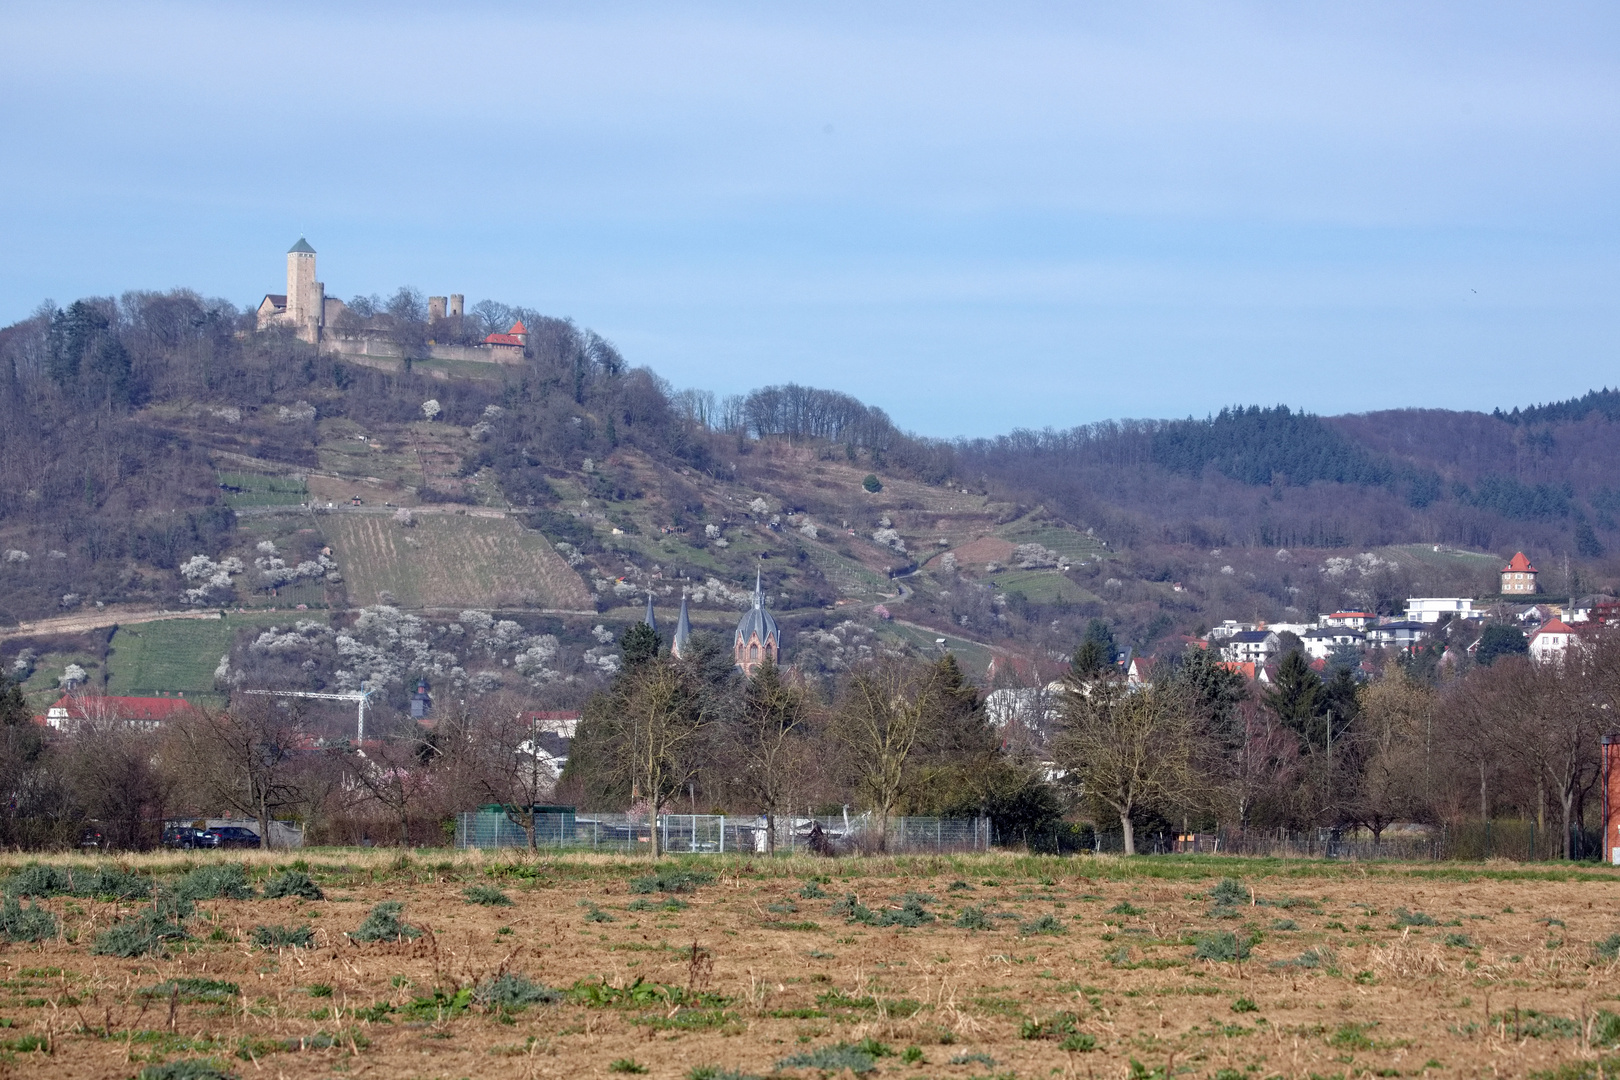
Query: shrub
[[1125, 907], [382, 923], [1058, 1026], [813, 891], [148, 932], [972, 918], [488, 895], [283, 937], [513, 991], [1228, 891], [192, 989], [227, 882], [36, 879], [1046, 924], [673, 879], [872, 483], [31, 923], [1413, 918], [113, 883], [857, 1058], [292, 883], [190, 1069], [1222, 946]]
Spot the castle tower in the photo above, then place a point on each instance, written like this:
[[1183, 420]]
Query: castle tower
[[757, 636], [683, 631], [458, 305], [305, 296]]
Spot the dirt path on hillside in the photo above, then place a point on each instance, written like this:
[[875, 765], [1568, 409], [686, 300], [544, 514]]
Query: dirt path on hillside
[[99, 619]]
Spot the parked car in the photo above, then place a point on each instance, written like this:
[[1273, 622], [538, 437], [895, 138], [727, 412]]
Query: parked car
[[91, 838], [184, 836], [232, 836]]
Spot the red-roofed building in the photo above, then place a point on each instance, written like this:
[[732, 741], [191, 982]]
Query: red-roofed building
[[1518, 576], [510, 344], [1551, 641], [1355, 620], [148, 712]]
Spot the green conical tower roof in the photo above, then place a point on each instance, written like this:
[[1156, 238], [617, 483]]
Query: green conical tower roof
[[301, 248]]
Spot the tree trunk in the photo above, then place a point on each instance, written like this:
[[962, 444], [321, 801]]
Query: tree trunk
[[1567, 798], [1129, 827], [770, 833], [652, 831], [264, 822], [1484, 798]]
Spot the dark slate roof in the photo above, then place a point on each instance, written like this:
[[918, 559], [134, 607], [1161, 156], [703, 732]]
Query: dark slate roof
[[683, 629], [301, 248], [1245, 636], [757, 620]]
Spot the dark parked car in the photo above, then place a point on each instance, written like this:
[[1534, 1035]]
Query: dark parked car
[[91, 838], [229, 836], [184, 836]]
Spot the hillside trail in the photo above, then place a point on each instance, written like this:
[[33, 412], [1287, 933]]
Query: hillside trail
[[100, 619]]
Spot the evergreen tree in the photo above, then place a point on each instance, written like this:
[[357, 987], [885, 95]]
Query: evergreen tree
[[1297, 699], [639, 644], [1214, 691], [1095, 653], [1499, 641]]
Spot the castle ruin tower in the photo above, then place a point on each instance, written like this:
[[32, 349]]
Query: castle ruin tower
[[306, 297]]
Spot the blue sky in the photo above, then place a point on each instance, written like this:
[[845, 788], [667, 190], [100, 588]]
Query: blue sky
[[978, 216]]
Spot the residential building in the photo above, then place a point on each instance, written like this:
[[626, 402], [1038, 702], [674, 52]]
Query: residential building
[[1518, 576], [1429, 609], [1250, 646], [1320, 643], [1552, 641], [1355, 620], [143, 712], [1398, 635]]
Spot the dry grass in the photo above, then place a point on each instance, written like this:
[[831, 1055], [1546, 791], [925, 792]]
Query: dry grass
[[747, 970]]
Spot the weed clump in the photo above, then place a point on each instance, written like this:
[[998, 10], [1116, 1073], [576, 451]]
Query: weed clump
[[1608, 948], [31, 923], [959, 886], [382, 923], [1125, 907], [1460, 941], [113, 883], [190, 1069], [283, 937], [513, 991], [627, 1065], [36, 879], [226, 882], [975, 1058], [293, 883], [671, 879], [972, 918], [715, 1072], [1227, 892], [487, 895], [812, 891], [1413, 918], [1046, 924], [148, 932], [858, 1058], [1223, 946], [193, 990]]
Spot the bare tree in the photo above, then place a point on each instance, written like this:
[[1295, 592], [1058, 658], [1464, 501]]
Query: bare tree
[[400, 771], [882, 725], [651, 727], [770, 743], [1129, 751], [115, 773], [244, 757], [508, 762], [1392, 742]]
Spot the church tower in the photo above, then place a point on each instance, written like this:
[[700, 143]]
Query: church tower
[[683, 631], [306, 299], [757, 635]]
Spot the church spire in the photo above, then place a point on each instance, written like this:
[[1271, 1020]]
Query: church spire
[[651, 620], [683, 630]]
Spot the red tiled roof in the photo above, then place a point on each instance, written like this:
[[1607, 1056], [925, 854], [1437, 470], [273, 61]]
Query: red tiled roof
[[503, 339], [1554, 626], [518, 328], [1519, 564], [125, 708], [1246, 668]]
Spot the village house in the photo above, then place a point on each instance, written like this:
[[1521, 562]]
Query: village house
[[1354, 620], [1251, 646], [71, 710], [1320, 643], [1397, 635], [1552, 641], [1430, 609]]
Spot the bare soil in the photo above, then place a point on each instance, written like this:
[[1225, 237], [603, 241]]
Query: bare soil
[[1089, 968]]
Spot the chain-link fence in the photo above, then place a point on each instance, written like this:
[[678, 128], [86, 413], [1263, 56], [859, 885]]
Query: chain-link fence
[[720, 833]]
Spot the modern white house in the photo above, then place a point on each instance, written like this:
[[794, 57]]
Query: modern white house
[[1399, 635], [1355, 620], [1428, 609], [1257, 646], [1320, 643]]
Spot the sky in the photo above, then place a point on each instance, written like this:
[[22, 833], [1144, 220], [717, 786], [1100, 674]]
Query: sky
[[979, 217]]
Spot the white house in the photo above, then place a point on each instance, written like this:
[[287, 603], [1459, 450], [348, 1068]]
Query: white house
[[1355, 620], [1552, 641], [1321, 642], [1401, 635], [1257, 646], [1428, 609]]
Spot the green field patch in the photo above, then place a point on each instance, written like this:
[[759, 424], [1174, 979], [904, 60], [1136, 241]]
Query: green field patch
[[1043, 587], [255, 489], [1070, 542], [179, 654]]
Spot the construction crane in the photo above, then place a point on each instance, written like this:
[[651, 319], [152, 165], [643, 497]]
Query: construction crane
[[360, 696]]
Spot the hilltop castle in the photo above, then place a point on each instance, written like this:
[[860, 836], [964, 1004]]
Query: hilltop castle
[[314, 318], [305, 305]]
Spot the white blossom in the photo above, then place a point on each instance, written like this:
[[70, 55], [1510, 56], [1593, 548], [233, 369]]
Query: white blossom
[[808, 529], [431, 408], [72, 675], [15, 556]]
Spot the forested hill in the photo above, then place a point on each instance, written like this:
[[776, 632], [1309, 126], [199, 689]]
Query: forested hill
[[141, 432]]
